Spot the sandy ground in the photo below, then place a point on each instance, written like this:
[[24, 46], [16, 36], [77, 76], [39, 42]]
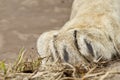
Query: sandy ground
[[22, 21]]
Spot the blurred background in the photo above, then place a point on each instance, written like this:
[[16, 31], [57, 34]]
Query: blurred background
[[22, 21]]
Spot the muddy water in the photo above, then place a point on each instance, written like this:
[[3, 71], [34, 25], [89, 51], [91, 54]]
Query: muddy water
[[22, 21]]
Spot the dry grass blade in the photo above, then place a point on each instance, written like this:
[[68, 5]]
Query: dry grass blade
[[92, 75], [88, 73], [26, 65], [104, 76], [19, 59], [3, 67], [70, 78], [107, 73]]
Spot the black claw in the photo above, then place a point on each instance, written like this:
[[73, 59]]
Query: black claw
[[110, 38], [117, 55], [51, 56], [66, 55], [89, 46], [77, 46], [55, 46], [75, 39]]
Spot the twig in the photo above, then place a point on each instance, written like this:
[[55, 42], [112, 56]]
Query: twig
[[104, 76], [92, 75], [107, 73], [88, 73], [70, 78]]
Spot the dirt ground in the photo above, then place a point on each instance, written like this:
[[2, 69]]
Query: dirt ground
[[22, 21]]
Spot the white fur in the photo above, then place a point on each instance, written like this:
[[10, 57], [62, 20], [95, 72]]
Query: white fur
[[97, 27]]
